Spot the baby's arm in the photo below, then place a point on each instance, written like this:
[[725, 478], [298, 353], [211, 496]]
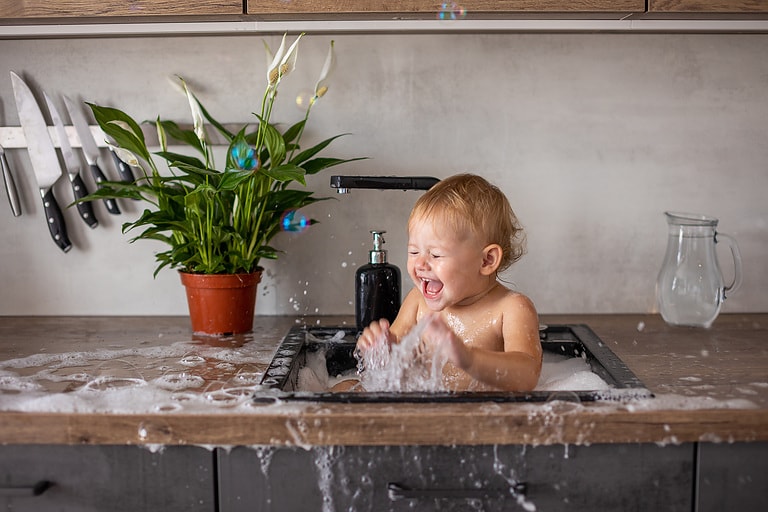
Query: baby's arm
[[517, 368]]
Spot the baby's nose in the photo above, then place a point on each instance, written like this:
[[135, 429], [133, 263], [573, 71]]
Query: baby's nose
[[422, 263]]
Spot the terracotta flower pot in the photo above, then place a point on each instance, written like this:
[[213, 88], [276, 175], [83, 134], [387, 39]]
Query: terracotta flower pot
[[221, 303]]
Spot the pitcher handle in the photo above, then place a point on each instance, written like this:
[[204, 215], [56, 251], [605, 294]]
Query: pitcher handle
[[731, 242]]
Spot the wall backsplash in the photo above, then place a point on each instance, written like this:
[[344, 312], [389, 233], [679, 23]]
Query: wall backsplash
[[592, 137]]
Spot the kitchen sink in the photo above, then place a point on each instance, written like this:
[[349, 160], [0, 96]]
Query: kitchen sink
[[281, 379]]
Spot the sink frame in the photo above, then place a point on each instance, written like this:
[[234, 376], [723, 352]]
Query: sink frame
[[281, 377]]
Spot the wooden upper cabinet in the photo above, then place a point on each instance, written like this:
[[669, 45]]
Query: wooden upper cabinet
[[708, 6], [99, 8], [426, 8]]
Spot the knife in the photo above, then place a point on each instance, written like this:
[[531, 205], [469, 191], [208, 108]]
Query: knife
[[10, 185], [72, 164], [90, 150], [42, 154], [123, 168]]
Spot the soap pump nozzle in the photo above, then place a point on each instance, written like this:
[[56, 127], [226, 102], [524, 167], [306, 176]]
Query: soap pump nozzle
[[377, 255]]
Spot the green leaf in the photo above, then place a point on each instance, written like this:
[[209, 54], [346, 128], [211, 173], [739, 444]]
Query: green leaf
[[286, 173], [309, 153], [318, 164], [188, 137], [122, 128], [294, 131], [230, 180], [174, 159], [275, 145]]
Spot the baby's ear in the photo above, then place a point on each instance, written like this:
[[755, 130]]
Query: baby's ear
[[491, 259]]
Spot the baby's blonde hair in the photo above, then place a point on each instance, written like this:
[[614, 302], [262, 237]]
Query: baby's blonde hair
[[467, 203]]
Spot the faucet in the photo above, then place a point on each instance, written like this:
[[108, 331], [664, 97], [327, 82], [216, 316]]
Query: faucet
[[342, 184]]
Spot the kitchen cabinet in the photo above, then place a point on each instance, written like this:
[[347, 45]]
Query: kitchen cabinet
[[423, 8], [708, 6], [732, 476], [41, 478], [605, 477], [88, 8]]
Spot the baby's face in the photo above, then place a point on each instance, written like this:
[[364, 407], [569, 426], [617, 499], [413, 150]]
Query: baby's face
[[444, 266]]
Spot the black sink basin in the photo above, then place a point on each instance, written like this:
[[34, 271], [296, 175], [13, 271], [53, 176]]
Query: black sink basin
[[573, 340]]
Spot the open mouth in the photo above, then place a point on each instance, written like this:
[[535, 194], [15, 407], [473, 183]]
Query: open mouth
[[431, 288]]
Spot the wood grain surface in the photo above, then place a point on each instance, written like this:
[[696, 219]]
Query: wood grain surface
[[710, 385]]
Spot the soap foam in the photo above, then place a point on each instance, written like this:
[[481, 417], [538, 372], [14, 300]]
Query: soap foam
[[402, 367], [186, 377]]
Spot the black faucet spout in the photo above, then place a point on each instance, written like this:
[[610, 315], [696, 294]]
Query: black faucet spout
[[344, 183]]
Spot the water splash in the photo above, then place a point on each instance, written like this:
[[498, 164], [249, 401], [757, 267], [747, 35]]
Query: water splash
[[404, 366]]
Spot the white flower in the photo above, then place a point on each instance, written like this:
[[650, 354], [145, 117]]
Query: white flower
[[283, 61], [161, 135], [197, 114], [124, 155], [330, 64]]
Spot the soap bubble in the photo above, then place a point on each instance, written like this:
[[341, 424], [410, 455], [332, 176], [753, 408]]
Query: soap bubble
[[244, 156], [450, 11], [303, 99], [293, 221]]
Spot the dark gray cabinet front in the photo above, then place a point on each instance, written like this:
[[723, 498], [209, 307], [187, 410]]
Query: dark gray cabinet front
[[62, 478], [624, 478], [732, 476]]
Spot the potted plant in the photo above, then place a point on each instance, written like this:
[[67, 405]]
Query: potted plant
[[218, 222]]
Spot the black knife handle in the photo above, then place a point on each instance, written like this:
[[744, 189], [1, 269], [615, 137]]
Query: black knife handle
[[123, 168], [85, 208], [98, 176], [55, 221]]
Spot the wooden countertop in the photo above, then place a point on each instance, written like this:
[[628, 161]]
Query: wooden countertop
[[710, 385]]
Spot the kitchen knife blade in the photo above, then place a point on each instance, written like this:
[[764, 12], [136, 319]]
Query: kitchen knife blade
[[42, 154], [72, 164], [90, 150], [10, 185]]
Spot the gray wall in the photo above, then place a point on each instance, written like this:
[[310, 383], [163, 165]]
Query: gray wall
[[592, 137]]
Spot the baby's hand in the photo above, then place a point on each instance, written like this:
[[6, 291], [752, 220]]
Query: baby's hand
[[445, 340], [375, 334]]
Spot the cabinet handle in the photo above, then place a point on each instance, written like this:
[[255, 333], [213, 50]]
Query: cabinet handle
[[401, 492], [32, 490]]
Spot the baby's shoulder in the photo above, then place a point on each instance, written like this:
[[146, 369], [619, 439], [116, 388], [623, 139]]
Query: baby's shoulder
[[513, 302]]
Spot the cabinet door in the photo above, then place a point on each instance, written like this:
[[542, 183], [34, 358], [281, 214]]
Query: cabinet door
[[365, 478], [41, 478], [89, 8], [707, 6], [469, 8], [733, 477]]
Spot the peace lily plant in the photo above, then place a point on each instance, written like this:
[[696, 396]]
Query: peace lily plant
[[220, 221]]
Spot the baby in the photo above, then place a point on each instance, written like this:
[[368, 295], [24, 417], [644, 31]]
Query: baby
[[461, 234]]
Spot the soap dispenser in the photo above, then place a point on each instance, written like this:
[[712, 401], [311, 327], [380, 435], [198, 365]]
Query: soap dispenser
[[377, 286]]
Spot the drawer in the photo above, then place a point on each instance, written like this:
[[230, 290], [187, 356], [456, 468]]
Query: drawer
[[43, 478], [621, 477]]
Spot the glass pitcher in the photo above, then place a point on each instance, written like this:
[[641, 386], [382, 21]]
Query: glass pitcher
[[690, 289]]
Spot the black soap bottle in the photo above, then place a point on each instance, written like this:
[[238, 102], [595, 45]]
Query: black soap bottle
[[377, 286]]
